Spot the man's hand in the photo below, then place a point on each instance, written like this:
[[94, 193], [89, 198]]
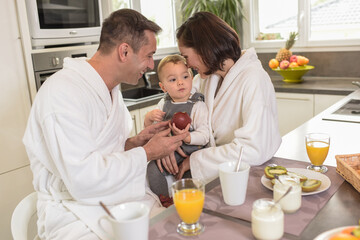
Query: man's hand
[[145, 135], [162, 145], [184, 166]]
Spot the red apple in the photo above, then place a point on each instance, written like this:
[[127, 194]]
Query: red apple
[[181, 120], [293, 58], [284, 64]]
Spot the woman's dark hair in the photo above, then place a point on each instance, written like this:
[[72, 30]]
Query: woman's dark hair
[[125, 25], [212, 38]]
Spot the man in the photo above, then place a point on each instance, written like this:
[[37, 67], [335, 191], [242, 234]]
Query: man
[[77, 134]]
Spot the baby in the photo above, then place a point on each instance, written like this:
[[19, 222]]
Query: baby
[[176, 81]]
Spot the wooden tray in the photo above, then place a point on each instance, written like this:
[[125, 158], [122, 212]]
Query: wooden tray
[[348, 166]]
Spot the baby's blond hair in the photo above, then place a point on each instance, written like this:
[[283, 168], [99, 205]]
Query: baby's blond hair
[[175, 59]]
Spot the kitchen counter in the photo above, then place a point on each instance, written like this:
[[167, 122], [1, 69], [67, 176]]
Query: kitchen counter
[[133, 105], [344, 136], [331, 86]]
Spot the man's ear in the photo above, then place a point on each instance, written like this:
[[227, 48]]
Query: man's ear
[[123, 51], [162, 87]]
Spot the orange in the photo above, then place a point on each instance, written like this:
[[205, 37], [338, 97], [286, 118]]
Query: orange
[[343, 236], [273, 63], [348, 230]]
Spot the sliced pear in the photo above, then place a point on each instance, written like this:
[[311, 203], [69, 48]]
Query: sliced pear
[[276, 170], [310, 185]]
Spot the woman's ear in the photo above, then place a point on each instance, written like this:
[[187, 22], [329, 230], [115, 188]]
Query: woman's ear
[[123, 51]]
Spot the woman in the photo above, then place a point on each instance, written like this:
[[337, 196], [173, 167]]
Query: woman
[[238, 92]]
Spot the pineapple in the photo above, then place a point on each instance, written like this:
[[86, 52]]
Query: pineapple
[[285, 53]]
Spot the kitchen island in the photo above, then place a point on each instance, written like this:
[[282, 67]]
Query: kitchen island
[[341, 206], [345, 136]]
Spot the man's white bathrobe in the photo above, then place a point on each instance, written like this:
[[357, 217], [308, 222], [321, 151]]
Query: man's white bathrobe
[[243, 113], [75, 141]]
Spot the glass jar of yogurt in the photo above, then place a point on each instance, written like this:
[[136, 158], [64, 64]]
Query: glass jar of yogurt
[[292, 201], [267, 220]]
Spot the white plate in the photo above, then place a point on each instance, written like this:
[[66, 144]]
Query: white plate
[[326, 235], [325, 181]]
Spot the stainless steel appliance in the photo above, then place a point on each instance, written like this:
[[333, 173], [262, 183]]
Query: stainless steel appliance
[[59, 22], [47, 63], [348, 112]]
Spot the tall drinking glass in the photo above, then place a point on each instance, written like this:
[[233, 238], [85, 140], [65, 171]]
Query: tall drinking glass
[[317, 148], [189, 195]]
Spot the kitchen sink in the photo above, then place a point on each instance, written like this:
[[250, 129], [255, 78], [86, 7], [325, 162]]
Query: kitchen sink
[[348, 112], [140, 94]]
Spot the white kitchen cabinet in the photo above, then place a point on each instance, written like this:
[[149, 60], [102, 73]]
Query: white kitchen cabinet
[[138, 117], [323, 101], [293, 110], [14, 186], [15, 104]]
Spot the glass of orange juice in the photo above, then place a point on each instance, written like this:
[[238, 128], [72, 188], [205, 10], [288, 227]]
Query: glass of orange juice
[[189, 196], [317, 148]]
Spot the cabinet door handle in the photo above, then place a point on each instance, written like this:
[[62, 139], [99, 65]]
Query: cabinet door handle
[[134, 122]]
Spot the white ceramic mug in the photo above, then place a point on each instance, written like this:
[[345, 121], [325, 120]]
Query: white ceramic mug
[[131, 221], [234, 184]]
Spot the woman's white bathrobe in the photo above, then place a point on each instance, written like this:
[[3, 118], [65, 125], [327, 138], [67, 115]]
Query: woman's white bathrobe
[[243, 113], [75, 141]]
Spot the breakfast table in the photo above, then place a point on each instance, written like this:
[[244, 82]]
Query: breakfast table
[[336, 206]]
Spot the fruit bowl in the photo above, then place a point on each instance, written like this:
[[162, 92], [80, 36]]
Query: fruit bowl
[[293, 75]]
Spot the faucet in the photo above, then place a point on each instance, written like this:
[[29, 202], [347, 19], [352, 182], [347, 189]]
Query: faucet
[[146, 78], [356, 83]]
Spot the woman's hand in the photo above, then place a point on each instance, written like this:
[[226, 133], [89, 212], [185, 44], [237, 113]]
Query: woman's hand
[[169, 163], [184, 166]]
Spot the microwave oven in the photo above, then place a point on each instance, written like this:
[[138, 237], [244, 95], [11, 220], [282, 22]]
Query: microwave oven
[[63, 22]]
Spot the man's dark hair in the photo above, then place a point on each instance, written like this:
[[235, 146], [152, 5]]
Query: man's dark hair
[[125, 26]]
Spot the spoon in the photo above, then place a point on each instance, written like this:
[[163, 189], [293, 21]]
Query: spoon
[[106, 209], [239, 161], [286, 193]]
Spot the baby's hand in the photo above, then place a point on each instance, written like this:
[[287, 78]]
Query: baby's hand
[[156, 115], [177, 131]]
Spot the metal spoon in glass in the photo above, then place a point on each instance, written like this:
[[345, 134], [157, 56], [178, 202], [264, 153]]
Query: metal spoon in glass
[[286, 193], [239, 161]]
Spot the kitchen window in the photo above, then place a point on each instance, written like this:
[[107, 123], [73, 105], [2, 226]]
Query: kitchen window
[[327, 25], [166, 13]]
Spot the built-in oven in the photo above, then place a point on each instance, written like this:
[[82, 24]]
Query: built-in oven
[[47, 63]]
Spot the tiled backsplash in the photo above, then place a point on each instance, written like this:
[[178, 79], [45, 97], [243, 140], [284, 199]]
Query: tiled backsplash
[[327, 64]]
